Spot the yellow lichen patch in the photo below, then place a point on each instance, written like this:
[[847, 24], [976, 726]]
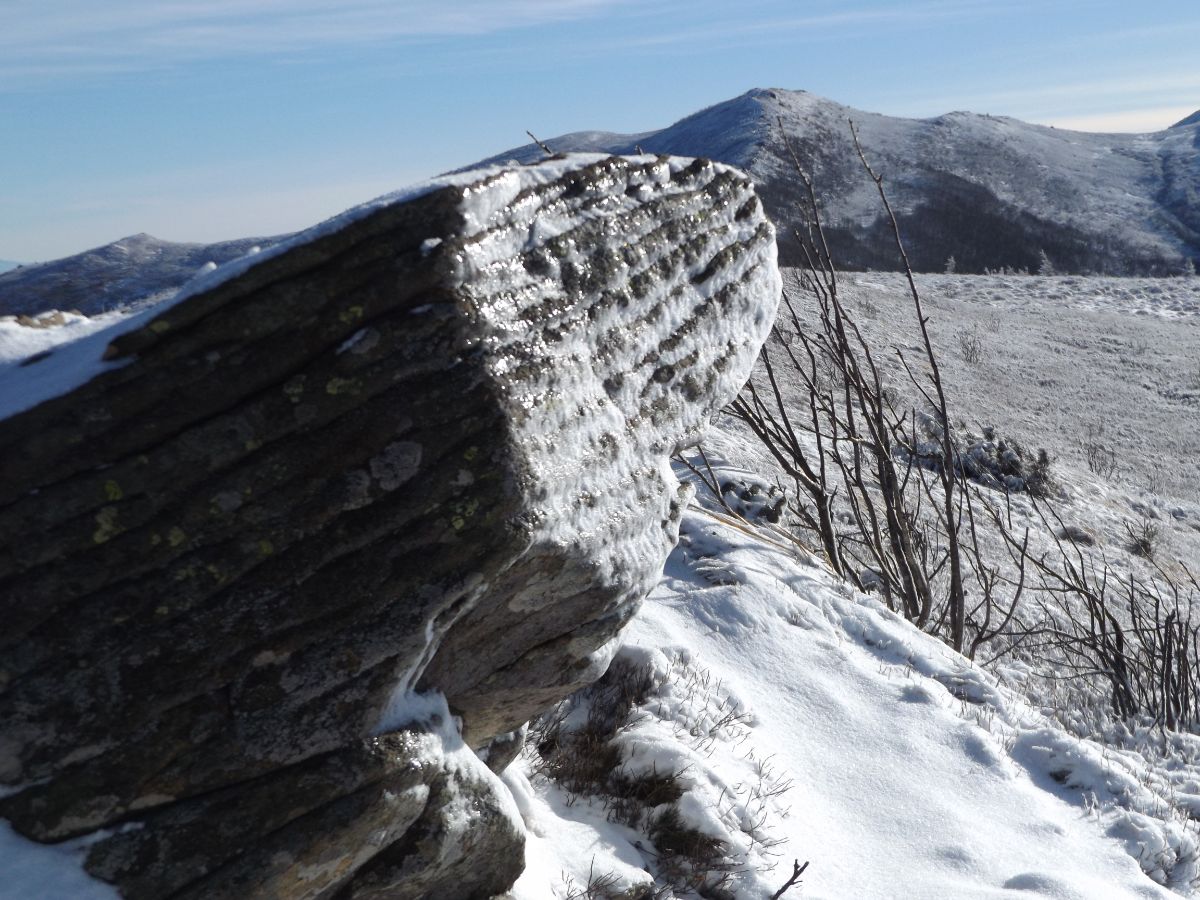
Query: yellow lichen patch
[[337, 386], [470, 453], [106, 522], [252, 445], [351, 314], [155, 539], [176, 536], [160, 326], [112, 490], [185, 574], [265, 547], [462, 512], [294, 388]]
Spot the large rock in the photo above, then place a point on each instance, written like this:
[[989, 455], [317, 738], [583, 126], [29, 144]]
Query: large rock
[[423, 447]]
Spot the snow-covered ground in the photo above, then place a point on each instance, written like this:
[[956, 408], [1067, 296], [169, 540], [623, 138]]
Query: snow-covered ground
[[1065, 361], [807, 721], [901, 769], [792, 718]]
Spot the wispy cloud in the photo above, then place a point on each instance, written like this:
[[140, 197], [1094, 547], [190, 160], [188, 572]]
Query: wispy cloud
[[739, 27], [70, 37], [1117, 103]]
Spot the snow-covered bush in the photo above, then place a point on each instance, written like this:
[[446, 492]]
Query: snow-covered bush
[[1003, 464]]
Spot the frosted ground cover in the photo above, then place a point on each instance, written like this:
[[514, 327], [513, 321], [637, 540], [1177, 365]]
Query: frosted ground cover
[[1065, 362], [913, 773]]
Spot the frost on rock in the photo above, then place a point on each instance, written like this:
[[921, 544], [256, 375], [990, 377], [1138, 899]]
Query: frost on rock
[[421, 449]]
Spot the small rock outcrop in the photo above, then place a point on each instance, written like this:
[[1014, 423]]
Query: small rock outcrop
[[419, 452]]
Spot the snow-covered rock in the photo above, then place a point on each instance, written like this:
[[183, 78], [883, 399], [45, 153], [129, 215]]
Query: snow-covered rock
[[254, 535]]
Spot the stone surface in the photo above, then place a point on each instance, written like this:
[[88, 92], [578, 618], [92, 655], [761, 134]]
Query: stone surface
[[423, 448]]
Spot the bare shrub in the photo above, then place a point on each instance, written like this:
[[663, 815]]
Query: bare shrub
[[797, 867], [1139, 636], [1143, 538], [899, 477], [688, 857], [576, 746], [970, 346], [1101, 460], [602, 886]]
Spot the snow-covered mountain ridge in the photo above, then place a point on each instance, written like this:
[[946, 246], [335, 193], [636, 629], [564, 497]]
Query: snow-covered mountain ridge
[[117, 274], [993, 192], [989, 190]]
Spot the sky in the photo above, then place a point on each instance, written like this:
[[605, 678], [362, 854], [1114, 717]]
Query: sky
[[206, 120]]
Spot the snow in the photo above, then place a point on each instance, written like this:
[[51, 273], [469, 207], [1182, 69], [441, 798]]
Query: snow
[[806, 720], [893, 785], [76, 347], [33, 871], [1120, 186], [440, 740], [908, 771]]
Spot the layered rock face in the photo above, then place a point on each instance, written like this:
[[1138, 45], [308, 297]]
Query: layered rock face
[[419, 451]]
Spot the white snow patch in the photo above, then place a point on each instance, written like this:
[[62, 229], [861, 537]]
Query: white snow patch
[[33, 871]]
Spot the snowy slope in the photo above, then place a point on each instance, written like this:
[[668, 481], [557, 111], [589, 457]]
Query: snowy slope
[[992, 191], [895, 767]]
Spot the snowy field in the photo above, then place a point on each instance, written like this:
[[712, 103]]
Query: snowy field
[[1064, 360], [807, 721]]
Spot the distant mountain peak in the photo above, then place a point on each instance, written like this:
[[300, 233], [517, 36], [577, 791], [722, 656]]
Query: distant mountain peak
[[117, 274], [992, 191], [1193, 119]]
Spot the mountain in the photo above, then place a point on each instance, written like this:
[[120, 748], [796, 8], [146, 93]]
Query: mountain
[[120, 273], [990, 191], [993, 192], [1193, 119]]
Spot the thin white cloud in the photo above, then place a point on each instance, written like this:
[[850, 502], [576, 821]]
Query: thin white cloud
[[1153, 85], [1144, 102], [740, 27], [70, 37]]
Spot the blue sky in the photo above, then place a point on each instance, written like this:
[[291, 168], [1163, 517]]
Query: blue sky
[[211, 119]]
